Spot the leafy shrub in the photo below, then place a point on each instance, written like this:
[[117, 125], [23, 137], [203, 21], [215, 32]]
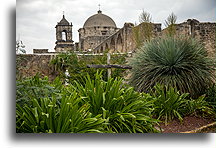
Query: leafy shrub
[[36, 87], [92, 106], [211, 97], [200, 107], [47, 116], [77, 65], [169, 104], [175, 62], [125, 110]]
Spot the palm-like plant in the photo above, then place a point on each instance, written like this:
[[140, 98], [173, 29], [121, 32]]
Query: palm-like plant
[[178, 62]]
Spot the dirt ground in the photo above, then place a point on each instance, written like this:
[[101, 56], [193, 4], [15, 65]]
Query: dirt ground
[[189, 123]]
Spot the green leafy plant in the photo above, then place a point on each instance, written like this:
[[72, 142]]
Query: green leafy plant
[[77, 65], [181, 63], [125, 110], [168, 103], [211, 97], [36, 87], [47, 116], [200, 107]]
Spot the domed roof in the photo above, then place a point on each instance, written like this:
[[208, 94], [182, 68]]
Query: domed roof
[[99, 19]]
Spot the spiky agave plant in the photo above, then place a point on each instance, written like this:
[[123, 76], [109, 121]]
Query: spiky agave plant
[[178, 62]]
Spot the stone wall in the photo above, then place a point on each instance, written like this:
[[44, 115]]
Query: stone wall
[[30, 64], [121, 41], [202, 31]]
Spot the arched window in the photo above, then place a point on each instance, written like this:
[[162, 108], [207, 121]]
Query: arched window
[[112, 44], [119, 44], [64, 35], [101, 49]]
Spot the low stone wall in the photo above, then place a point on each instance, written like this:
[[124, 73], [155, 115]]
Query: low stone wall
[[30, 64]]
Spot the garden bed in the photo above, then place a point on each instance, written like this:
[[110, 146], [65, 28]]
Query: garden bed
[[190, 124]]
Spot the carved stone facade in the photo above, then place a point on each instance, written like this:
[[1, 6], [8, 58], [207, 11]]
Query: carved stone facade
[[64, 40]]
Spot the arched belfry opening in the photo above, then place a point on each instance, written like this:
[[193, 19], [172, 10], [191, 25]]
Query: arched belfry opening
[[64, 35], [64, 40]]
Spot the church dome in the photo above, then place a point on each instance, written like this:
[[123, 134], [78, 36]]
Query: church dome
[[99, 19]]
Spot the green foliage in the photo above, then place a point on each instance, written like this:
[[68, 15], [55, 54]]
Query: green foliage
[[125, 110], [169, 104], [142, 33], [47, 116], [175, 62], [77, 65], [200, 107], [98, 106], [211, 97], [170, 23], [36, 87], [50, 107], [92, 106], [119, 59]]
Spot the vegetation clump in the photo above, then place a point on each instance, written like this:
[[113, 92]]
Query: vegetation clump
[[181, 63], [94, 106]]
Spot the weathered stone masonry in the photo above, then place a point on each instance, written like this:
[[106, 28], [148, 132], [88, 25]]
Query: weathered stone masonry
[[30, 64], [120, 41]]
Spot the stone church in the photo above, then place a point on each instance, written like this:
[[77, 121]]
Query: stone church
[[97, 29], [100, 33]]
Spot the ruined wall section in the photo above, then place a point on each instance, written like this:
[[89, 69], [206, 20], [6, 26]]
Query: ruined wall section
[[205, 32], [30, 64], [123, 41], [202, 31], [120, 41]]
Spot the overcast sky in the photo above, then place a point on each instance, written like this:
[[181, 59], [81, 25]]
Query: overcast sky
[[36, 19]]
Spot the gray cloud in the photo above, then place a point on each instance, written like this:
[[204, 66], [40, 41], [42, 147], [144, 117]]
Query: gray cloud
[[36, 19]]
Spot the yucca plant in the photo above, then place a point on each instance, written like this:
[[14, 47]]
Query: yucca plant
[[125, 110], [181, 63]]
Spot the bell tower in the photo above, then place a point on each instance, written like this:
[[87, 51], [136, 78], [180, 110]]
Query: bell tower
[[64, 40]]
